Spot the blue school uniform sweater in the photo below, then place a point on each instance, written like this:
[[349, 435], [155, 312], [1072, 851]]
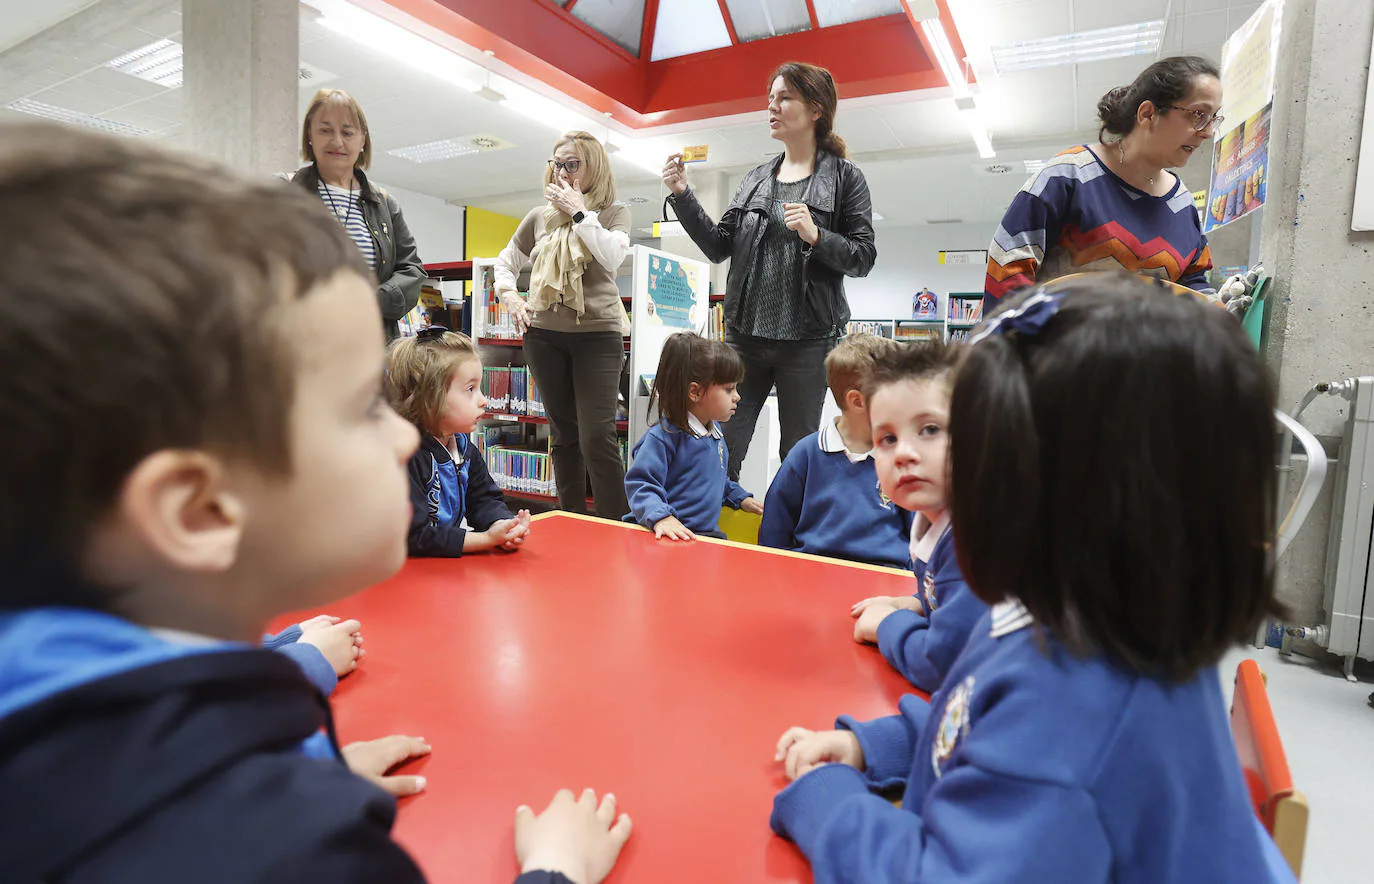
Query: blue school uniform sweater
[[923, 646], [681, 473], [444, 491], [824, 502], [1033, 765]]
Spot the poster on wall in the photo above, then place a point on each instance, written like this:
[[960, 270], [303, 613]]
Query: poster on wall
[[672, 294], [1240, 160], [1363, 216]]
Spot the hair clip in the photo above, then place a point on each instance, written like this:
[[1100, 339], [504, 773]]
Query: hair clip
[[431, 333], [1027, 319]]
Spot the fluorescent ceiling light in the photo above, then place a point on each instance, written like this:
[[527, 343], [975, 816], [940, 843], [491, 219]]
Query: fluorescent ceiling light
[[390, 38], [74, 118], [435, 151], [978, 131], [944, 55], [1084, 46], [877, 216], [158, 62]]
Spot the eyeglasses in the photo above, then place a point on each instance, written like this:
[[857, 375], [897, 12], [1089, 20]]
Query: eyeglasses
[[430, 333], [1201, 119], [571, 166]]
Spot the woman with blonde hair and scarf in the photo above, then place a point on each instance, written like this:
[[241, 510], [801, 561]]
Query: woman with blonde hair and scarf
[[573, 320]]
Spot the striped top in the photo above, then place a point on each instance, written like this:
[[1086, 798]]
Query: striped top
[[1077, 215], [347, 206]]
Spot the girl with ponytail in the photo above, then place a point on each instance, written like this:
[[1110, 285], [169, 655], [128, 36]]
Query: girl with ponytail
[[1074, 736], [1114, 205], [798, 225]]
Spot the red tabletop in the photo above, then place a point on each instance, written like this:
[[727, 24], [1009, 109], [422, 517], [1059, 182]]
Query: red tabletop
[[600, 657]]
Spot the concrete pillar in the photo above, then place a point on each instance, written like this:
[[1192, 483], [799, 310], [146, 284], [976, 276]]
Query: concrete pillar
[[1322, 320], [241, 79]]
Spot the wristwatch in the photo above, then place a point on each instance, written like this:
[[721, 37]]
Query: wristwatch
[[578, 216]]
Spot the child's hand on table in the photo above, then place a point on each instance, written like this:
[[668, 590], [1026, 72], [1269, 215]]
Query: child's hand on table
[[909, 602], [752, 505], [672, 529], [501, 532], [319, 622], [340, 643], [802, 751], [518, 534], [373, 758], [866, 627], [577, 837]]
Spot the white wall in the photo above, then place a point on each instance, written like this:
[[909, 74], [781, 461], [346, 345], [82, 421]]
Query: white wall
[[908, 261], [436, 226]]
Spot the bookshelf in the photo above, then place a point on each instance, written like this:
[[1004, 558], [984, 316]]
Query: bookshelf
[[883, 328]]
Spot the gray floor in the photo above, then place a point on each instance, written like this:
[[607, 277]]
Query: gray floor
[[1327, 727]]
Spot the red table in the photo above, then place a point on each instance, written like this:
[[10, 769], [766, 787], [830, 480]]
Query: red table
[[599, 657]]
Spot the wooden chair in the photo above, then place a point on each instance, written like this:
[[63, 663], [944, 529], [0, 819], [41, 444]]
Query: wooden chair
[[1281, 808]]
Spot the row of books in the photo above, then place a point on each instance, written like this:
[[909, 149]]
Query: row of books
[[956, 335], [715, 322], [878, 328], [510, 389], [519, 469], [965, 309]]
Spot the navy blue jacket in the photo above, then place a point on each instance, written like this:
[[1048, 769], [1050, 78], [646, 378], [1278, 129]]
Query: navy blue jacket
[[922, 647], [678, 473], [822, 503], [443, 491], [127, 757], [1032, 765]]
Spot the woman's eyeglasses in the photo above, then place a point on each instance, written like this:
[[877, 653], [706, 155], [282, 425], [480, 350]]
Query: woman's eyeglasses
[[1201, 119], [571, 166]]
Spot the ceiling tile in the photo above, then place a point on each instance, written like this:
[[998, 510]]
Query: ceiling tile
[[687, 26], [620, 20], [1089, 15], [838, 12]]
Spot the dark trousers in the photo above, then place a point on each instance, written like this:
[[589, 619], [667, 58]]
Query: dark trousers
[[797, 368], [578, 374]]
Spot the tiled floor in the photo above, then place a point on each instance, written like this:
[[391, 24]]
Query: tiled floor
[[1327, 727]]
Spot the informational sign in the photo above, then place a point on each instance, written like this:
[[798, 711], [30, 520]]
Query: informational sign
[[1240, 161], [964, 256], [672, 293]]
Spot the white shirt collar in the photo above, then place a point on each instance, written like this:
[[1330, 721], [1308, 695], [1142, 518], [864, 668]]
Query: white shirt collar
[[925, 534], [699, 429], [181, 637], [832, 442], [1008, 617]]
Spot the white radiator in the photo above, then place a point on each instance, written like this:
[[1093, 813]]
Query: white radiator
[[1349, 579]]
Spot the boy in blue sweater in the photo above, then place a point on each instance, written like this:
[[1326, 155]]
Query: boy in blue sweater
[[908, 396], [247, 464], [826, 499], [677, 483], [1081, 736]]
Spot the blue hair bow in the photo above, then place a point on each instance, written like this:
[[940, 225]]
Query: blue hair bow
[[1028, 318]]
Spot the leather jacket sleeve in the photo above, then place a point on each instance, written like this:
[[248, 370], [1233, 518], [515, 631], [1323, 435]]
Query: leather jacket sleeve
[[716, 241], [850, 248]]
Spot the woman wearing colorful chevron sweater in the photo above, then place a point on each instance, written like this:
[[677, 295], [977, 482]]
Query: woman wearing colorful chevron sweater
[[1115, 204]]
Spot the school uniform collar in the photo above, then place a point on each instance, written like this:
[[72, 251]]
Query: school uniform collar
[[923, 544], [832, 442], [699, 429], [1008, 617]]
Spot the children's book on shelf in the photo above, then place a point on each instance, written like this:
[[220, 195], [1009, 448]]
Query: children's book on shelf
[[496, 387], [958, 335], [521, 469], [715, 325], [925, 304]]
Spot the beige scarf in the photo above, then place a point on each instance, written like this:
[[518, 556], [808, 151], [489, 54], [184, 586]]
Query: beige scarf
[[557, 274]]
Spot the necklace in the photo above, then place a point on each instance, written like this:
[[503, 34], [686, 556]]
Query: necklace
[[1121, 160], [352, 203]]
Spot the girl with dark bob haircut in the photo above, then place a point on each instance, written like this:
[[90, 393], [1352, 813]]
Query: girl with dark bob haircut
[[1113, 500]]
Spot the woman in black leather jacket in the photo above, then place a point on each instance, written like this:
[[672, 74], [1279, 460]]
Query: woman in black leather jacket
[[796, 227], [337, 144]]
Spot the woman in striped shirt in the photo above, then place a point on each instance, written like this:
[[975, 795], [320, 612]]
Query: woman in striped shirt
[[336, 143]]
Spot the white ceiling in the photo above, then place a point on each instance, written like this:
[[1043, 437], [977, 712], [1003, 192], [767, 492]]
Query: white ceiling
[[916, 153]]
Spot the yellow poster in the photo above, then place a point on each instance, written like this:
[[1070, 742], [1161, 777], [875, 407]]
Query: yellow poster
[[1248, 61]]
